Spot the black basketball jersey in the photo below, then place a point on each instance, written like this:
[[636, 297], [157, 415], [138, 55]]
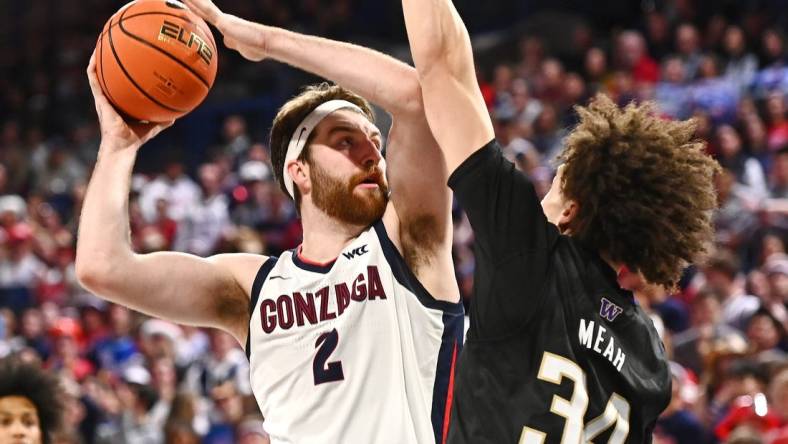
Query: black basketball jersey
[[556, 351]]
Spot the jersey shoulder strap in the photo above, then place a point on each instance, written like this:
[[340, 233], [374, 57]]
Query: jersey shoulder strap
[[405, 276], [257, 286]]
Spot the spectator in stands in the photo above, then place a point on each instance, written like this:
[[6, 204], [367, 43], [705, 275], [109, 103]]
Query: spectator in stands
[[742, 377], [174, 186], [777, 133], [138, 420], [671, 92], [207, 220], [765, 334], [31, 403], [740, 64], [66, 356], [688, 48], [747, 170], [158, 339], [678, 423], [658, 34], [756, 141], [633, 57], [20, 269], [236, 138], [778, 402], [225, 362], [692, 347], [227, 414], [722, 275], [32, 333], [776, 298], [734, 222], [549, 84], [596, 71], [773, 49], [119, 349]]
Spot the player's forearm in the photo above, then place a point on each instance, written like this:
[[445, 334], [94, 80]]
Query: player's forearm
[[438, 37], [103, 244], [382, 79]]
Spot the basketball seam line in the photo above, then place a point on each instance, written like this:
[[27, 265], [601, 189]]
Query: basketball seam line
[[133, 82], [101, 77], [188, 68], [210, 35]]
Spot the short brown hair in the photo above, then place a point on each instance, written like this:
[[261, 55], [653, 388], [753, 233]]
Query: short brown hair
[[724, 261], [644, 187], [292, 113]]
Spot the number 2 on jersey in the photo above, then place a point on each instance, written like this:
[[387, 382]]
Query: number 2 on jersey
[[553, 369], [332, 371]]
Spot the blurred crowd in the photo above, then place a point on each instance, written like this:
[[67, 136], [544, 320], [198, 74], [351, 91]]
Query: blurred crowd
[[132, 379]]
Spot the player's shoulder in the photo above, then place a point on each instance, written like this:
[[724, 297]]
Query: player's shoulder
[[243, 267], [239, 260], [579, 267]]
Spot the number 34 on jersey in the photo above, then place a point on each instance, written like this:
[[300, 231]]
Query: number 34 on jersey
[[553, 369]]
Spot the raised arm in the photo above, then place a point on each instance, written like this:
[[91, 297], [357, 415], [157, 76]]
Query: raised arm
[[179, 287], [453, 102], [421, 199]]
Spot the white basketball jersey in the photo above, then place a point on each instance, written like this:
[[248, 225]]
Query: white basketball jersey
[[354, 351]]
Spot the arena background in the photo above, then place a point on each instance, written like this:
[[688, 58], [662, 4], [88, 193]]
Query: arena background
[[205, 186]]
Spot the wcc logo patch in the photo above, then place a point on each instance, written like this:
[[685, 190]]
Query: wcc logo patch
[[360, 251], [609, 310]]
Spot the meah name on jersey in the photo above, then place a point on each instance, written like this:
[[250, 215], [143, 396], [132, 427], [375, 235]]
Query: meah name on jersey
[[300, 309], [593, 336]]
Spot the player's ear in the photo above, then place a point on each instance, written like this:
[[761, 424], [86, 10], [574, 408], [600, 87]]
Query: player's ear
[[568, 213], [299, 172]]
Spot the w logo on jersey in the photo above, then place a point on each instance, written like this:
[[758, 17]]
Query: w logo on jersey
[[609, 310], [362, 250]]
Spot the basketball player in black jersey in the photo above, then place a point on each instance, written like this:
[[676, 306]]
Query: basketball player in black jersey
[[557, 351]]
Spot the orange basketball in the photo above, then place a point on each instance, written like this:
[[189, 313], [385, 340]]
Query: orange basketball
[[155, 60]]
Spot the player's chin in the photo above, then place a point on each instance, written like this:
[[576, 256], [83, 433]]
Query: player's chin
[[372, 204]]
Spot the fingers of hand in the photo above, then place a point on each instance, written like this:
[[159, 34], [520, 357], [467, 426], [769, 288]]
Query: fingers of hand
[[204, 8], [91, 71], [94, 84]]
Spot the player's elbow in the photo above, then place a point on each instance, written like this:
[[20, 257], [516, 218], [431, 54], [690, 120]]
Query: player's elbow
[[439, 54], [95, 273], [410, 100], [89, 273]]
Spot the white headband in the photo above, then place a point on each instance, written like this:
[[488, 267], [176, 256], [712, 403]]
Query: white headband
[[304, 130]]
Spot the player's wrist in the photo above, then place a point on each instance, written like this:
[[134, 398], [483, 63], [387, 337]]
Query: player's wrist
[[118, 147]]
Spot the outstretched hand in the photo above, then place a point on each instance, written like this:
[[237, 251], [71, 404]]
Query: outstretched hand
[[241, 35], [115, 131]]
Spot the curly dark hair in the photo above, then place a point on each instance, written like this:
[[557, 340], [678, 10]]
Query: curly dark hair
[[18, 378], [644, 188]]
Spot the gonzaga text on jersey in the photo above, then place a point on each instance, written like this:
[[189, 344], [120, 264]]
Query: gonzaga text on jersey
[[313, 307]]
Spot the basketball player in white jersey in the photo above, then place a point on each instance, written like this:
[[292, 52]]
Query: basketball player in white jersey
[[353, 336]]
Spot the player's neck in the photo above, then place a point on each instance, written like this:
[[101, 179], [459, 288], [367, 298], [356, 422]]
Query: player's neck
[[625, 281], [324, 236]]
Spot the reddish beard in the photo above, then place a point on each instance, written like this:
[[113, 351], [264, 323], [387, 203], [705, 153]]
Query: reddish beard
[[339, 200]]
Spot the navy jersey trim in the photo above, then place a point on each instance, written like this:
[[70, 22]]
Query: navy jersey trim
[[404, 275], [257, 286], [314, 268], [443, 388]]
